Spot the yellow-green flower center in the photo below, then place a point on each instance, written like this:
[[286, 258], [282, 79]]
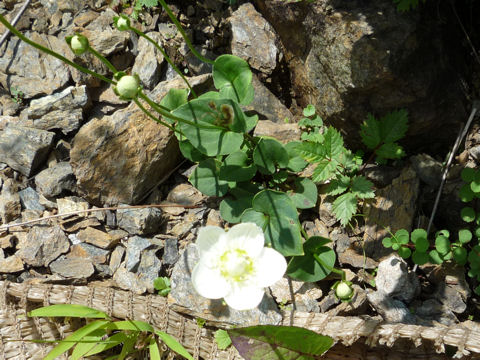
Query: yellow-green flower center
[[236, 265]]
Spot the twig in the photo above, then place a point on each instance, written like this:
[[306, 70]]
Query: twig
[[78, 212], [14, 22]]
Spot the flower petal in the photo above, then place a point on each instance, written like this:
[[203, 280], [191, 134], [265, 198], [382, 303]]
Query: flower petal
[[248, 237], [208, 282], [244, 298], [207, 237], [270, 267]]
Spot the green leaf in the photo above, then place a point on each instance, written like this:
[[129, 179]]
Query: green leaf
[[404, 252], [312, 152], [69, 310], [464, 236], [161, 284], [466, 194], [222, 339], [231, 209], [233, 78], [420, 258], [338, 185], [475, 184], [268, 154], [295, 161], [88, 344], [362, 188], [131, 325], [174, 99], [276, 214], [460, 255], [236, 169], [173, 344], [419, 238], [467, 214], [442, 245], [402, 236], [305, 193], [390, 151], [387, 242], [370, 132], [307, 268], [112, 341], [325, 170], [154, 351], [394, 126], [70, 341], [344, 207], [147, 3], [190, 152], [333, 142], [207, 126], [271, 342], [205, 178], [309, 110], [468, 174], [406, 5]]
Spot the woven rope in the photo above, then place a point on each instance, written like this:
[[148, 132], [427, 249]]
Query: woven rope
[[354, 332]]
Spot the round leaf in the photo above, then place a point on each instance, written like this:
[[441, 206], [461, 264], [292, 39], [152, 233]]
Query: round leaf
[[475, 184], [460, 255], [464, 236], [205, 178], [466, 194], [442, 245], [231, 209], [467, 214], [268, 154], [396, 246], [468, 174], [477, 232], [404, 252], [309, 110], [235, 168], [420, 258], [402, 236], [387, 242], [435, 257], [233, 78], [305, 195], [295, 161], [418, 234], [422, 245]]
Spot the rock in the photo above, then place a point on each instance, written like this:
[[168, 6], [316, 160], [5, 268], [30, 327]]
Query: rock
[[61, 110], [98, 238], [305, 295], [170, 251], [24, 149], [11, 264], [72, 268], [283, 132], [30, 199], [149, 269], [428, 169], [184, 194], [184, 294], [75, 224], [268, 107], [433, 310], [135, 246], [42, 245], [391, 310], [116, 258], [343, 56], [328, 302], [62, 150], [56, 180], [128, 281], [87, 251], [357, 306], [31, 71], [140, 221], [214, 218], [71, 204], [148, 62], [394, 279], [394, 206], [10, 205], [253, 39], [357, 259]]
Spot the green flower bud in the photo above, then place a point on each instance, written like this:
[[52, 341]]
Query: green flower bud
[[122, 22], [344, 290], [127, 87], [78, 43]]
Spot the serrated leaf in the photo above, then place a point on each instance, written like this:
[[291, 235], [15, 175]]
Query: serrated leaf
[[394, 126], [344, 207], [390, 151], [362, 188], [312, 152], [338, 185], [309, 110], [272, 342], [324, 170], [222, 339], [370, 132], [332, 142]]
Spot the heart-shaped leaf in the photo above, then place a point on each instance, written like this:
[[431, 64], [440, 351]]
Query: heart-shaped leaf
[[205, 178], [268, 154], [305, 194], [233, 78]]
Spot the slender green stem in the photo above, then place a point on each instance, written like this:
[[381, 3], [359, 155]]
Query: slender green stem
[[187, 40], [165, 112], [150, 115], [51, 52], [103, 59], [177, 70], [335, 270]]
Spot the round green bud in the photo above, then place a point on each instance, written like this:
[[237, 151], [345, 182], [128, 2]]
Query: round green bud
[[127, 87], [122, 23], [344, 291], [78, 44]]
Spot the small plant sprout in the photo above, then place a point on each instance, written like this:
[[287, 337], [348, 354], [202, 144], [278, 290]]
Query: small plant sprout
[[122, 22], [235, 265], [127, 87], [78, 43], [343, 290]]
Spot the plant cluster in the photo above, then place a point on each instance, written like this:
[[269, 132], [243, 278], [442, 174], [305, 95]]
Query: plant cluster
[[461, 250]]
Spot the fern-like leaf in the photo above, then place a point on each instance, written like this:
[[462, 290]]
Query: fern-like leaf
[[338, 186], [344, 207], [147, 3], [370, 132], [312, 152], [362, 188], [394, 126], [333, 143], [325, 170]]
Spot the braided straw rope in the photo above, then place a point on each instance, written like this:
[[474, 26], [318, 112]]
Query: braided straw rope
[[355, 337]]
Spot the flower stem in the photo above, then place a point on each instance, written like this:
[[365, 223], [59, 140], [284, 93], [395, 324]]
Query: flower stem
[[187, 40], [177, 70], [332, 269], [51, 52], [150, 115], [103, 59]]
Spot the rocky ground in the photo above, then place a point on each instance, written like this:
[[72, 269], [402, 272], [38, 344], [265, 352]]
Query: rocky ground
[[68, 144]]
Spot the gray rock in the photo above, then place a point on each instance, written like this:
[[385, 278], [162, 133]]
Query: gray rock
[[72, 268], [253, 38], [98, 238], [61, 110], [149, 269], [10, 205], [305, 295], [140, 221], [42, 245], [428, 169], [24, 149], [71, 204], [357, 259], [328, 302], [55, 180], [135, 246], [31, 71], [433, 310], [185, 295], [116, 258], [170, 251], [185, 194], [94, 254], [148, 62], [282, 132], [394, 279], [127, 280], [30, 199], [392, 311]]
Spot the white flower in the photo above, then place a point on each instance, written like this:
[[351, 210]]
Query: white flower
[[235, 265]]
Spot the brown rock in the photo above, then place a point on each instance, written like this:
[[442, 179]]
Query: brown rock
[[76, 268], [11, 264], [97, 238]]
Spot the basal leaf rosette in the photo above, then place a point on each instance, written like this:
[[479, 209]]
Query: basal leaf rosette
[[235, 265]]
